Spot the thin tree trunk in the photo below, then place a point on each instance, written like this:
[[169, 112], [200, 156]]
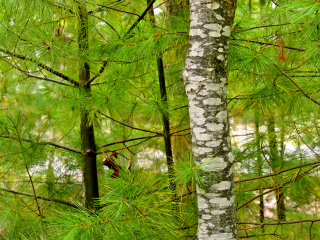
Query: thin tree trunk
[[273, 146], [276, 164], [87, 131], [259, 166], [166, 126], [281, 209], [205, 77], [165, 118]]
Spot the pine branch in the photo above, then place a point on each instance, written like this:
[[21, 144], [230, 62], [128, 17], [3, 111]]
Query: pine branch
[[274, 174], [47, 79], [41, 65], [101, 7], [312, 99], [184, 106], [128, 147], [103, 67], [40, 214], [280, 223], [275, 188], [260, 235], [39, 197], [38, 77], [268, 43], [265, 26], [128, 140], [114, 9], [124, 124], [43, 143], [179, 131], [91, 14]]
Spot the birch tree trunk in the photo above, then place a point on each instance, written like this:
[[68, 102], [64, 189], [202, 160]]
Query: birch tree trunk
[[205, 77]]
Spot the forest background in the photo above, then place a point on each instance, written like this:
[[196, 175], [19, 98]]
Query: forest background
[[53, 106]]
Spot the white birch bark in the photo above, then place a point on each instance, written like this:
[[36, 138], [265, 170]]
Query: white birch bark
[[205, 77]]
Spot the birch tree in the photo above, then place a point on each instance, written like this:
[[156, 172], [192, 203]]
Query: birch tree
[[205, 77]]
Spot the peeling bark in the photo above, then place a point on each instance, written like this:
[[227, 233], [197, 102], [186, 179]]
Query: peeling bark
[[205, 77]]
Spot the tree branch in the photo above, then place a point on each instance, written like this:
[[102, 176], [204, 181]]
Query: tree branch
[[179, 131], [275, 188], [39, 197], [41, 65], [280, 223], [114, 9], [43, 143], [127, 147], [267, 43], [103, 67], [91, 14], [140, 18], [47, 79], [273, 174], [143, 130], [283, 73], [128, 140], [265, 26], [38, 77], [260, 235], [126, 34]]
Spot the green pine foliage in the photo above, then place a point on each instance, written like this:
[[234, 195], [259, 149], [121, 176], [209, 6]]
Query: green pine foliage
[[273, 80]]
